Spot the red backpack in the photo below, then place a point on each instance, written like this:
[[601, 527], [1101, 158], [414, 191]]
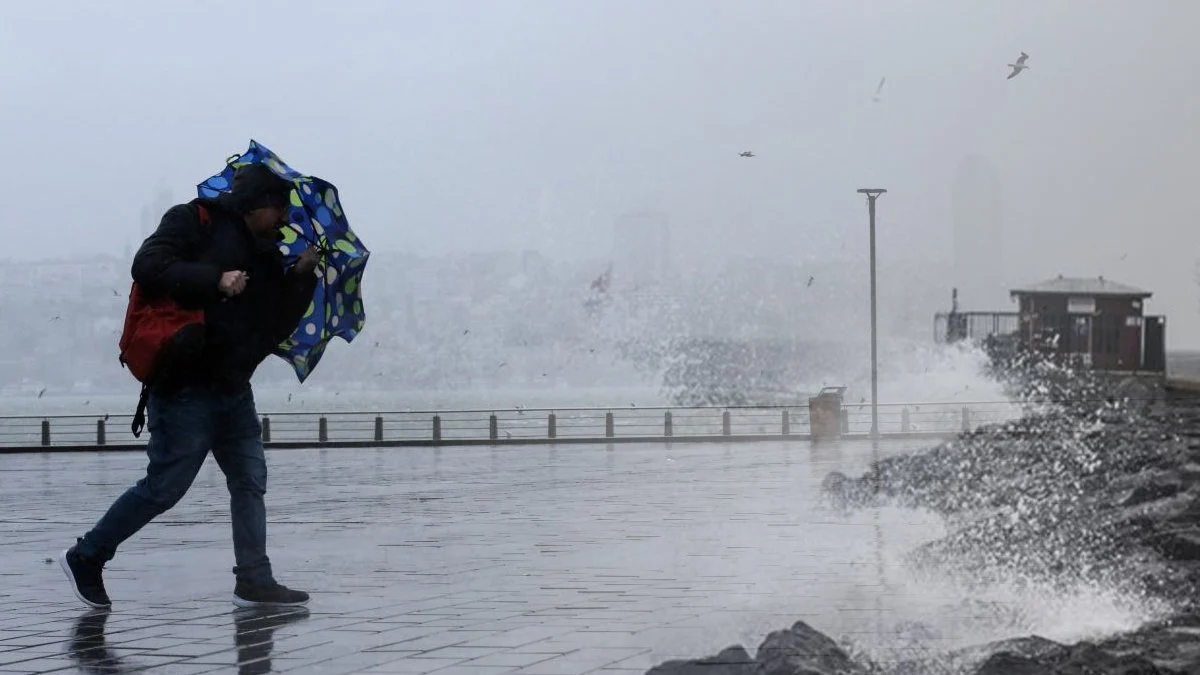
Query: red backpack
[[150, 324]]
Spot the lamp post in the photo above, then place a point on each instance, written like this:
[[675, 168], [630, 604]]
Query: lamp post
[[873, 194]]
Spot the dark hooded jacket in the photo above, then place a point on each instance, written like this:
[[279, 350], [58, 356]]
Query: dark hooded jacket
[[185, 259]]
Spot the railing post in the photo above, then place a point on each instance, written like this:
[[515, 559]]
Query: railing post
[[100, 432], [437, 428], [905, 422], [266, 429], [322, 430], [785, 423], [725, 426], [493, 427], [552, 426], [845, 421], [668, 428], [608, 425], [379, 428], [45, 432], [966, 418]]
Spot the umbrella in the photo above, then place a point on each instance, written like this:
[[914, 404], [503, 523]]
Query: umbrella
[[316, 219]]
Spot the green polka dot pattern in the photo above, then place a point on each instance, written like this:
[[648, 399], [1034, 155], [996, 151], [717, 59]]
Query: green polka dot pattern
[[316, 219]]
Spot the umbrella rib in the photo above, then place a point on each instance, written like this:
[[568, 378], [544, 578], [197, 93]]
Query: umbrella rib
[[325, 248]]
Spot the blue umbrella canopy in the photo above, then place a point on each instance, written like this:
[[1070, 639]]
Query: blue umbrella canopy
[[315, 219]]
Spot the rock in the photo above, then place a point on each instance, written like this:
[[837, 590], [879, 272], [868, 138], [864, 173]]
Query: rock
[[1085, 658], [1137, 392], [1151, 492], [1190, 474], [1008, 663], [995, 657], [1173, 644], [799, 650], [1033, 647], [802, 650], [730, 661], [1178, 545], [1189, 513], [1080, 659]]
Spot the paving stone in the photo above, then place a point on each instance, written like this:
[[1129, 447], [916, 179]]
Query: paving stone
[[518, 636], [407, 666], [510, 659], [38, 665], [19, 656], [580, 661], [469, 669], [469, 560], [181, 668]]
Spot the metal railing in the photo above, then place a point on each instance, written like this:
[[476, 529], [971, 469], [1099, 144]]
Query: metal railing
[[542, 425]]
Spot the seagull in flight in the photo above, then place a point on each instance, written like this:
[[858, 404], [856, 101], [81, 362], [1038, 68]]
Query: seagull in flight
[[879, 89], [1018, 66]]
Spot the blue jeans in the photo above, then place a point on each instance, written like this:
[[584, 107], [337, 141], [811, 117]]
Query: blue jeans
[[183, 427]]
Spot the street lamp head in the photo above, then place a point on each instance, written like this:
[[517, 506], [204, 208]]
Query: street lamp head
[[872, 192]]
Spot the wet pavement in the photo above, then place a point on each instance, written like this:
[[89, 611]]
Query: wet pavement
[[536, 560]]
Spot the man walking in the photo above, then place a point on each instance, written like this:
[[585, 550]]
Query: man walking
[[230, 266]]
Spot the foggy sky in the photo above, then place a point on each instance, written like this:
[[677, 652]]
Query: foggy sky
[[451, 125]]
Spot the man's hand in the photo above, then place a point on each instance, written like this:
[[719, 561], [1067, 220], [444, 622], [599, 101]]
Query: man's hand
[[233, 282], [306, 262]]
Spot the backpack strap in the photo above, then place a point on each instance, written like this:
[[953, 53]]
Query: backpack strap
[[139, 416]]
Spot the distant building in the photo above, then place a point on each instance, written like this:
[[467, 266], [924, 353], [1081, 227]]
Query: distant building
[[152, 212]]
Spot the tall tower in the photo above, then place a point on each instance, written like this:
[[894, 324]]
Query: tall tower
[[978, 232], [641, 249], [153, 212]]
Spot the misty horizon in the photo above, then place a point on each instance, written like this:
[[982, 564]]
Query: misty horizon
[[468, 126]]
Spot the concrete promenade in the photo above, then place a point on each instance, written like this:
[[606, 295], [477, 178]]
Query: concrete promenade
[[537, 560]]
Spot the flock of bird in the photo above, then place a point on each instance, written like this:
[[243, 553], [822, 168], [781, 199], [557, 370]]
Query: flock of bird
[[1016, 70]]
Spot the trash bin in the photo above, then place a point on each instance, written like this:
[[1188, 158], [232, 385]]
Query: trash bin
[[825, 413]]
